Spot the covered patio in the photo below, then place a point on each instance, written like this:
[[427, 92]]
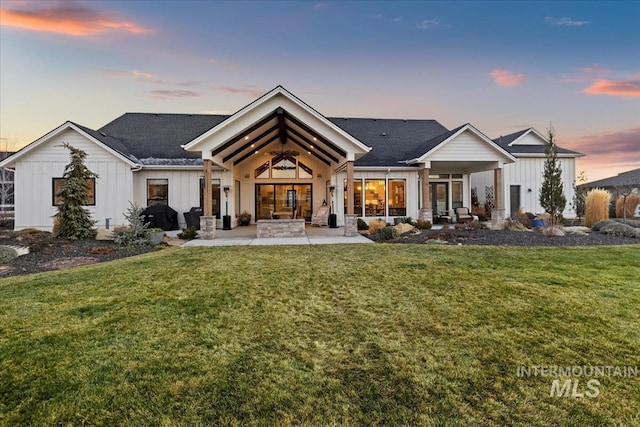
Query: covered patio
[[247, 236]]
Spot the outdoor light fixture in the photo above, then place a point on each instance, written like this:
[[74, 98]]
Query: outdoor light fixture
[[226, 219]]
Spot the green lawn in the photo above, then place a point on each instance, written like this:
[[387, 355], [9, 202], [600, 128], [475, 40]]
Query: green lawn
[[322, 335]]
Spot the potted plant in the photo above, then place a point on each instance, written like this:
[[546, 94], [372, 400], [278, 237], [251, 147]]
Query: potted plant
[[155, 235], [245, 218]]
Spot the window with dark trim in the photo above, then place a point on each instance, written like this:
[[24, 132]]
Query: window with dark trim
[[157, 192], [57, 183]]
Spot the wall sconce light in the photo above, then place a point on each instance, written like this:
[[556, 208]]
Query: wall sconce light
[[528, 190]]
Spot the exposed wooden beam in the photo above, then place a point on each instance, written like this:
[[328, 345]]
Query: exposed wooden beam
[[311, 132], [258, 148], [282, 126], [248, 144], [314, 143], [250, 129], [313, 153]]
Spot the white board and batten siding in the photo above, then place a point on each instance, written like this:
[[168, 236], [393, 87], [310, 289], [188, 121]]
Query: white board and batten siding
[[528, 174], [34, 184], [184, 188], [467, 146]]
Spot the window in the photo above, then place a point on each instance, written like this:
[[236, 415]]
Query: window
[[59, 182], [374, 197], [157, 192], [215, 201], [397, 204], [456, 194], [283, 165], [357, 196]]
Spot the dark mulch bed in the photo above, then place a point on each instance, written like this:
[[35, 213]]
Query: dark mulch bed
[[511, 238], [47, 253]]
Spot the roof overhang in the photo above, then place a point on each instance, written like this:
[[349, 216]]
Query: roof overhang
[[276, 119], [11, 160], [499, 154]]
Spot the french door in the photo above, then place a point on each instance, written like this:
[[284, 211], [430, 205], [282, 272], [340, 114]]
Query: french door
[[292, 198], [440, 198]]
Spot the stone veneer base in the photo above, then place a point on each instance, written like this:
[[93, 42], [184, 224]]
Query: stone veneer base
[[268, 228]]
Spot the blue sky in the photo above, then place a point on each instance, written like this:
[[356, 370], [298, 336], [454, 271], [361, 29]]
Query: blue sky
[[502, 66]]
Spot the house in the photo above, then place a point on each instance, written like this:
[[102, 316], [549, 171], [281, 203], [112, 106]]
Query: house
[[6, 189], [523, 179], [279, 154], [628, 182]]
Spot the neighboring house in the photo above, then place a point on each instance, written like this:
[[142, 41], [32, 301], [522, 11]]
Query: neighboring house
[[276, 154], [629, 180], [6, 187], [523, 179]]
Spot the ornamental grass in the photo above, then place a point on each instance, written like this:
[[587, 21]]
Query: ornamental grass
[[596, 206]]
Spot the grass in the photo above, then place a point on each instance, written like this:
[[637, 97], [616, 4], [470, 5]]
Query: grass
[[322, 335]]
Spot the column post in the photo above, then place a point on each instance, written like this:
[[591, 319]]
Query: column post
[[426, 213], [208, 221], [350, 219], [497, 214]]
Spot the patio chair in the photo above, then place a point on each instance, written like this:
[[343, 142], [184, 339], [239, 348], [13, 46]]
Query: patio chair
[[463, 215], [321, 218], [192, 218]]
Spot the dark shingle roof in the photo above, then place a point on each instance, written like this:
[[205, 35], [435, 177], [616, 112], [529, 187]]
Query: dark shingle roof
[[391, 140], [160, 136], [625, 178], [504, 142]]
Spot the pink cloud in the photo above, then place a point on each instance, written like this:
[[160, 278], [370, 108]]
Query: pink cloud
[[67, 18], [507, 78], [320, 5], [625, 88], [133, 73], [607, 153], [253, 93], [168, 94]]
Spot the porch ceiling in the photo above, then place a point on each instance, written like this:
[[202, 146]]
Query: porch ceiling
[[282, 130]]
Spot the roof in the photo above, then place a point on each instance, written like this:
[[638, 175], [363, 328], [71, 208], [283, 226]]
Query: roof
[[146, 135], [392, 140], [508, 142], [624, 178]]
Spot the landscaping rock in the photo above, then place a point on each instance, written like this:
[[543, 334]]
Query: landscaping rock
[[403, 228], [578, 230]]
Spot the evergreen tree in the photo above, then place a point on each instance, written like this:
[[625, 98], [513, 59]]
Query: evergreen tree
[[74, 220], [552, 197]]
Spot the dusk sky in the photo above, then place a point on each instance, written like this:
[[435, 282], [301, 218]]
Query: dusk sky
[[501, 66]]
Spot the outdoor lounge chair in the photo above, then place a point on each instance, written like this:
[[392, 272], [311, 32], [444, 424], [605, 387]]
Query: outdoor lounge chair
[[321, 218], [463, 215]]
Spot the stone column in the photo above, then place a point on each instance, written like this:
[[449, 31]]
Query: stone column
[[207, 227], [350, 225], [497, 214], [350, 219], [426, 213], [208, 189]]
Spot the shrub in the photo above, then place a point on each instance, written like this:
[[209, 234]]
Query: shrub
[[136, 233], [7, 254], [386, 233], [632, 203], [596, 206], [468, 226], [362, 224], [630, 222], [188, 233], [598, 225], [512, 225], [402, 220], [375, 225], [423, 225], [618, 229], [524, 218]]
